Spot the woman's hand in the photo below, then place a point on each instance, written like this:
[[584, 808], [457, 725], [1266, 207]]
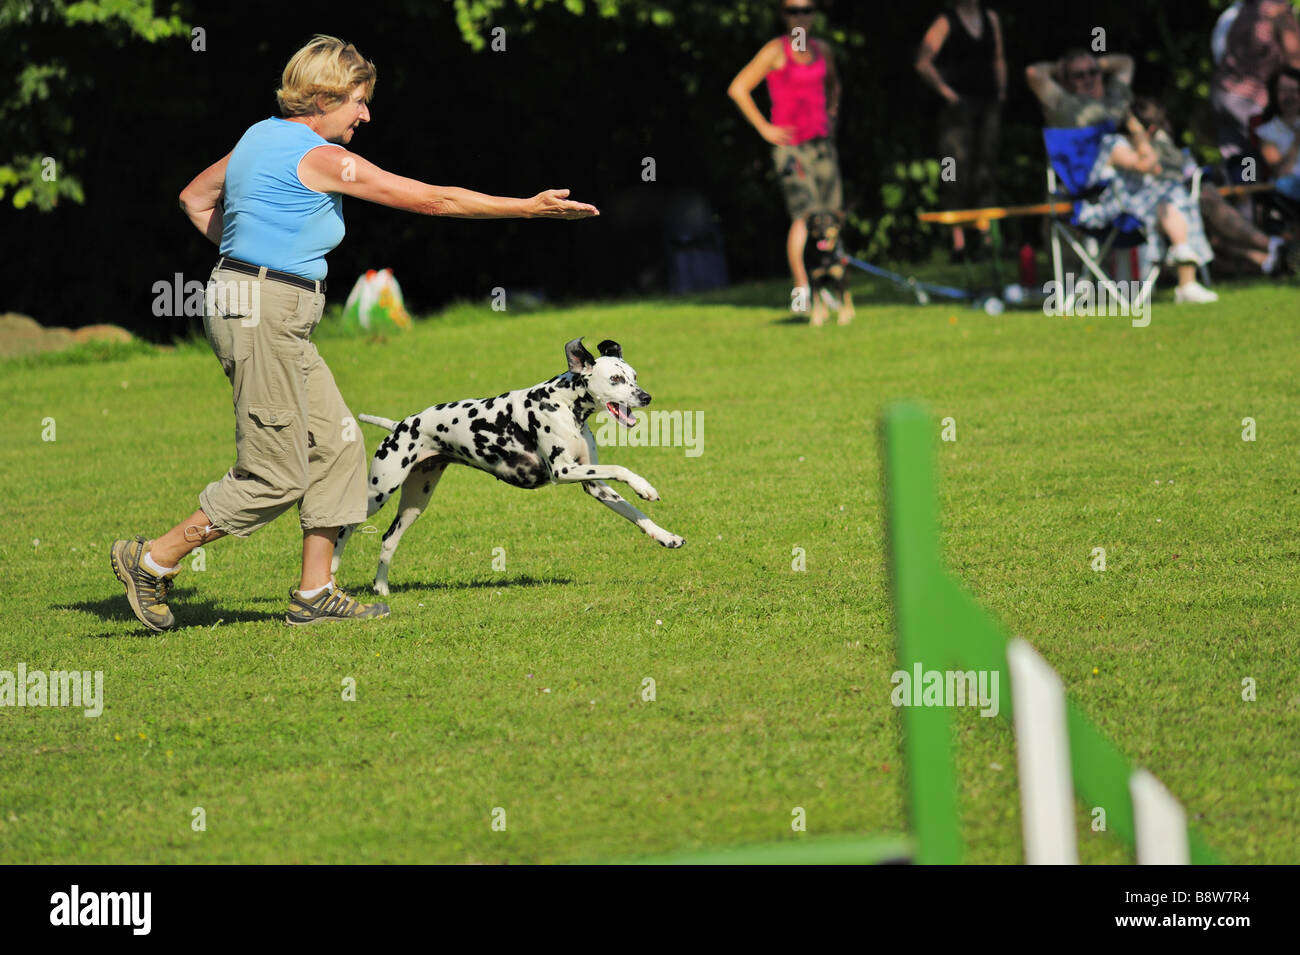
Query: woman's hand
[[555, 204], [776, 135]]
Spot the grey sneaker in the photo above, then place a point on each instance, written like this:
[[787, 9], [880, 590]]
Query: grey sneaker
[[331, 604], [146, 592]]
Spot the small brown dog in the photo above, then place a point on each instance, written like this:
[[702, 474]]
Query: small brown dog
[[823, 258]]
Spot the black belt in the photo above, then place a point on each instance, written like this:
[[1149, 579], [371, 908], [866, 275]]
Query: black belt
[[248, 268]]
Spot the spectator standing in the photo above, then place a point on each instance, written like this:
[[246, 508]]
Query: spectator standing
[[805, 89], [961, 58]]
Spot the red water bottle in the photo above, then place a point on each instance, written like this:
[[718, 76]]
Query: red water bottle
[[1028, 268]]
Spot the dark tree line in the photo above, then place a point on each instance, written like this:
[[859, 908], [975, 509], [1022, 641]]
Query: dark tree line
[[576, 100]]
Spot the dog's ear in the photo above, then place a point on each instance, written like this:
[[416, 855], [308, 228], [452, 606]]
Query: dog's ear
[[610, 349], [579, 358]]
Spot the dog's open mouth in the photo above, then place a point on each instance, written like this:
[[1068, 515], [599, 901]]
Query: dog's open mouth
[[621, 414]]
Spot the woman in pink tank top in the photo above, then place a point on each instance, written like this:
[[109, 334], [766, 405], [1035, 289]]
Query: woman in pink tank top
[[805, 92]]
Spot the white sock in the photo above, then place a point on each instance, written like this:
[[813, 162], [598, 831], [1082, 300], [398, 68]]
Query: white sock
[[312, 594], [156, 569], [1274, 244]]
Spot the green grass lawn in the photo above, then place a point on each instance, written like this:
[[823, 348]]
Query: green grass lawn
[[522, 688]]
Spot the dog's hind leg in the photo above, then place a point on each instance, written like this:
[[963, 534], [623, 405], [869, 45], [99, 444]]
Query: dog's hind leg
[[339, 543], [386, 474], [615, 502], [416, 491]]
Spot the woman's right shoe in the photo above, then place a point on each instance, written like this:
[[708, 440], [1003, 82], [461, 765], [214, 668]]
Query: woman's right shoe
[[146, 593]]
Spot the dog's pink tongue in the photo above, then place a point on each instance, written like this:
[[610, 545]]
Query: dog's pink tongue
[[626, 417]]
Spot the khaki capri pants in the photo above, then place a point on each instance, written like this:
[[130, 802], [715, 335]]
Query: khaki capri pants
[[296, 440]]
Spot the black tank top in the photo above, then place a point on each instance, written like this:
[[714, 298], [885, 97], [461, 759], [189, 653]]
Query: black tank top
[[965, 63]]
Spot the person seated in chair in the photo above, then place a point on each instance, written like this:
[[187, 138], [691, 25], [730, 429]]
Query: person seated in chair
[[1081, 89], [1278, 133], [1230, 232], [1128, 169]]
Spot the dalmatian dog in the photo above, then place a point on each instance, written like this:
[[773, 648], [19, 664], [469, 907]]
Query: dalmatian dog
[[529, 438]]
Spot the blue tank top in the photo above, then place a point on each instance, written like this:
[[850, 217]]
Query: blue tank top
[[270, 217]]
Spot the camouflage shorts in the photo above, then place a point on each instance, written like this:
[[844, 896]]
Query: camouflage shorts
[[810, 177]]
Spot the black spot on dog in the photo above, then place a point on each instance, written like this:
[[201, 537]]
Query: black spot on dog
[[411, 446], [381, 453], [473, 412], [546, 428], [426, 487], [555, 453], [374, 480], [442, 427], [454, 420], [415, 423]]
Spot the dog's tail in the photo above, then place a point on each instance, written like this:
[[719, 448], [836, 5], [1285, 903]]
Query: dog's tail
[[375, 419]]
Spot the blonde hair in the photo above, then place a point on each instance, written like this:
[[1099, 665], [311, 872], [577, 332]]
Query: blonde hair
[[322, 75]]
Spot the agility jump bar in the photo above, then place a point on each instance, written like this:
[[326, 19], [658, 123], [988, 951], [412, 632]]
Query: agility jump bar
[[1058, 749]]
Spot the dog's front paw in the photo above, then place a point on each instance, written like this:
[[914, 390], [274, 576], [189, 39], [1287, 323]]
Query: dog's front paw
[[381, 587], [672, 541], [644, 490]]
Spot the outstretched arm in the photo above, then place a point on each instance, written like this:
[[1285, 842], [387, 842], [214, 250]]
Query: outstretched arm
[[201, 199], [327, 169]]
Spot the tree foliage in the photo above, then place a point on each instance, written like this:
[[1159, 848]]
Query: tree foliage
[[34, 113]]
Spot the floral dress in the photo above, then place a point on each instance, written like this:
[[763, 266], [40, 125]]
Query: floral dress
[[1140, 195]]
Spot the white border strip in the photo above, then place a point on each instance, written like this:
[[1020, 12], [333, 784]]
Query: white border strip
[[1043, 758], [1160, 822]]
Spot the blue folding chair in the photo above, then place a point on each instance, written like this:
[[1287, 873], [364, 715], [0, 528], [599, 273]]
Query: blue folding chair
[[1071, 154]]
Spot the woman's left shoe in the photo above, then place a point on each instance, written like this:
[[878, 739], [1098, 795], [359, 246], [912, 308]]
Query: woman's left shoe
[[1194, 293]]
